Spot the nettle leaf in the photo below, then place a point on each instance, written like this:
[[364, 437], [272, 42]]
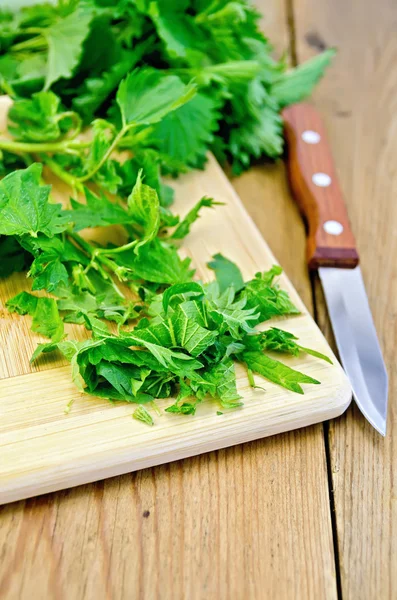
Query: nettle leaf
[[183, 291], [157, 262], [97, 212], [184, 226], [186, 133], [266, 297], [279, 340], [145, 96], [24, 206], [296, 84], [177, 362], [141, 414], [65, 38], [179, 33], [223, 378], [144, 209], [38, 119], [275, 371], [95, 90], [189, 334], [230, 315], [48, 275], [227, 273], [46, 319], [22, 304]]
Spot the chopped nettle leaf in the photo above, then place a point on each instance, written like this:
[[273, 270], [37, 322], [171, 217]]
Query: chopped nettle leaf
[[159, 84], [279, 340], [141, 414], [227, 273], [46, 318], [275, 371], [267, 297], [184, 226]]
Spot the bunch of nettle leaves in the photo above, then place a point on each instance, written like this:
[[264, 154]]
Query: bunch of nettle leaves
[[166, 82]]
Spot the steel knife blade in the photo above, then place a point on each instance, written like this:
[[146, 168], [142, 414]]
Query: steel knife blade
[[331, 249]]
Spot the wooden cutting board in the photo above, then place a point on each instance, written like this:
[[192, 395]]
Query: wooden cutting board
[[42, 449]]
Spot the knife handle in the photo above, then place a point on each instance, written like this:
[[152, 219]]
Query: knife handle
[[314, 183]]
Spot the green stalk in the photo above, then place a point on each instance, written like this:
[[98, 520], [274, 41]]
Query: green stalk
[[68, 178], [36, 43], [32, 147], [117, 250], [108, 152]]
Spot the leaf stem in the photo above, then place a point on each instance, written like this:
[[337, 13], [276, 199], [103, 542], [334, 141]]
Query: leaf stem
[[16, 147], [118, 249], [68, 178], [108, 152]]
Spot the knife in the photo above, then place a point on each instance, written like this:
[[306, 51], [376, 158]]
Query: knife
[[331, 249]]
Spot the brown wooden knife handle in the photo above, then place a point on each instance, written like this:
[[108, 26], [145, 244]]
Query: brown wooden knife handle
[[317, 191]]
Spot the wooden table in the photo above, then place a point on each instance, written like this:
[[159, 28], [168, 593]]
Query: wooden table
[[309, 514]]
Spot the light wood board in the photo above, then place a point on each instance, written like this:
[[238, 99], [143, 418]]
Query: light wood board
[[43, 449]]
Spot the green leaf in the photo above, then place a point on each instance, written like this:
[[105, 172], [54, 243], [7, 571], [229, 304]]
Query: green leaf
[[95, 90], [223, 378], [157, 262], [316, 354], [65, 38], [38, 119], [258, 135], [186, 133], [189, 334], [231, 315], [24, 206], [97, 212], [145, 96], [46, 319], [227, 273], [296, 84], [141, 414], [275, 371], [184, 226], [48, 276], [153, 339], [178, 32], [267, 298], [119, 377], [22, 304], [181, 289], [144, 208], [184, 408]]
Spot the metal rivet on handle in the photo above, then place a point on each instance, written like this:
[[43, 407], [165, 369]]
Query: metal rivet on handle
[[311, 137], [321, 179], [333, 227]]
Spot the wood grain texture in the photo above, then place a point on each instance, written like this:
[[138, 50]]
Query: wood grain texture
[[358, 99], [320, 205], [248, 522], [43, 449]]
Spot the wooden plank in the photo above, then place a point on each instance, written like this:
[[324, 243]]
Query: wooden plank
[[251, 521], [358, 99]]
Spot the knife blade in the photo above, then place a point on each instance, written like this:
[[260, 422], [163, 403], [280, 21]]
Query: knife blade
[[331, 249]]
